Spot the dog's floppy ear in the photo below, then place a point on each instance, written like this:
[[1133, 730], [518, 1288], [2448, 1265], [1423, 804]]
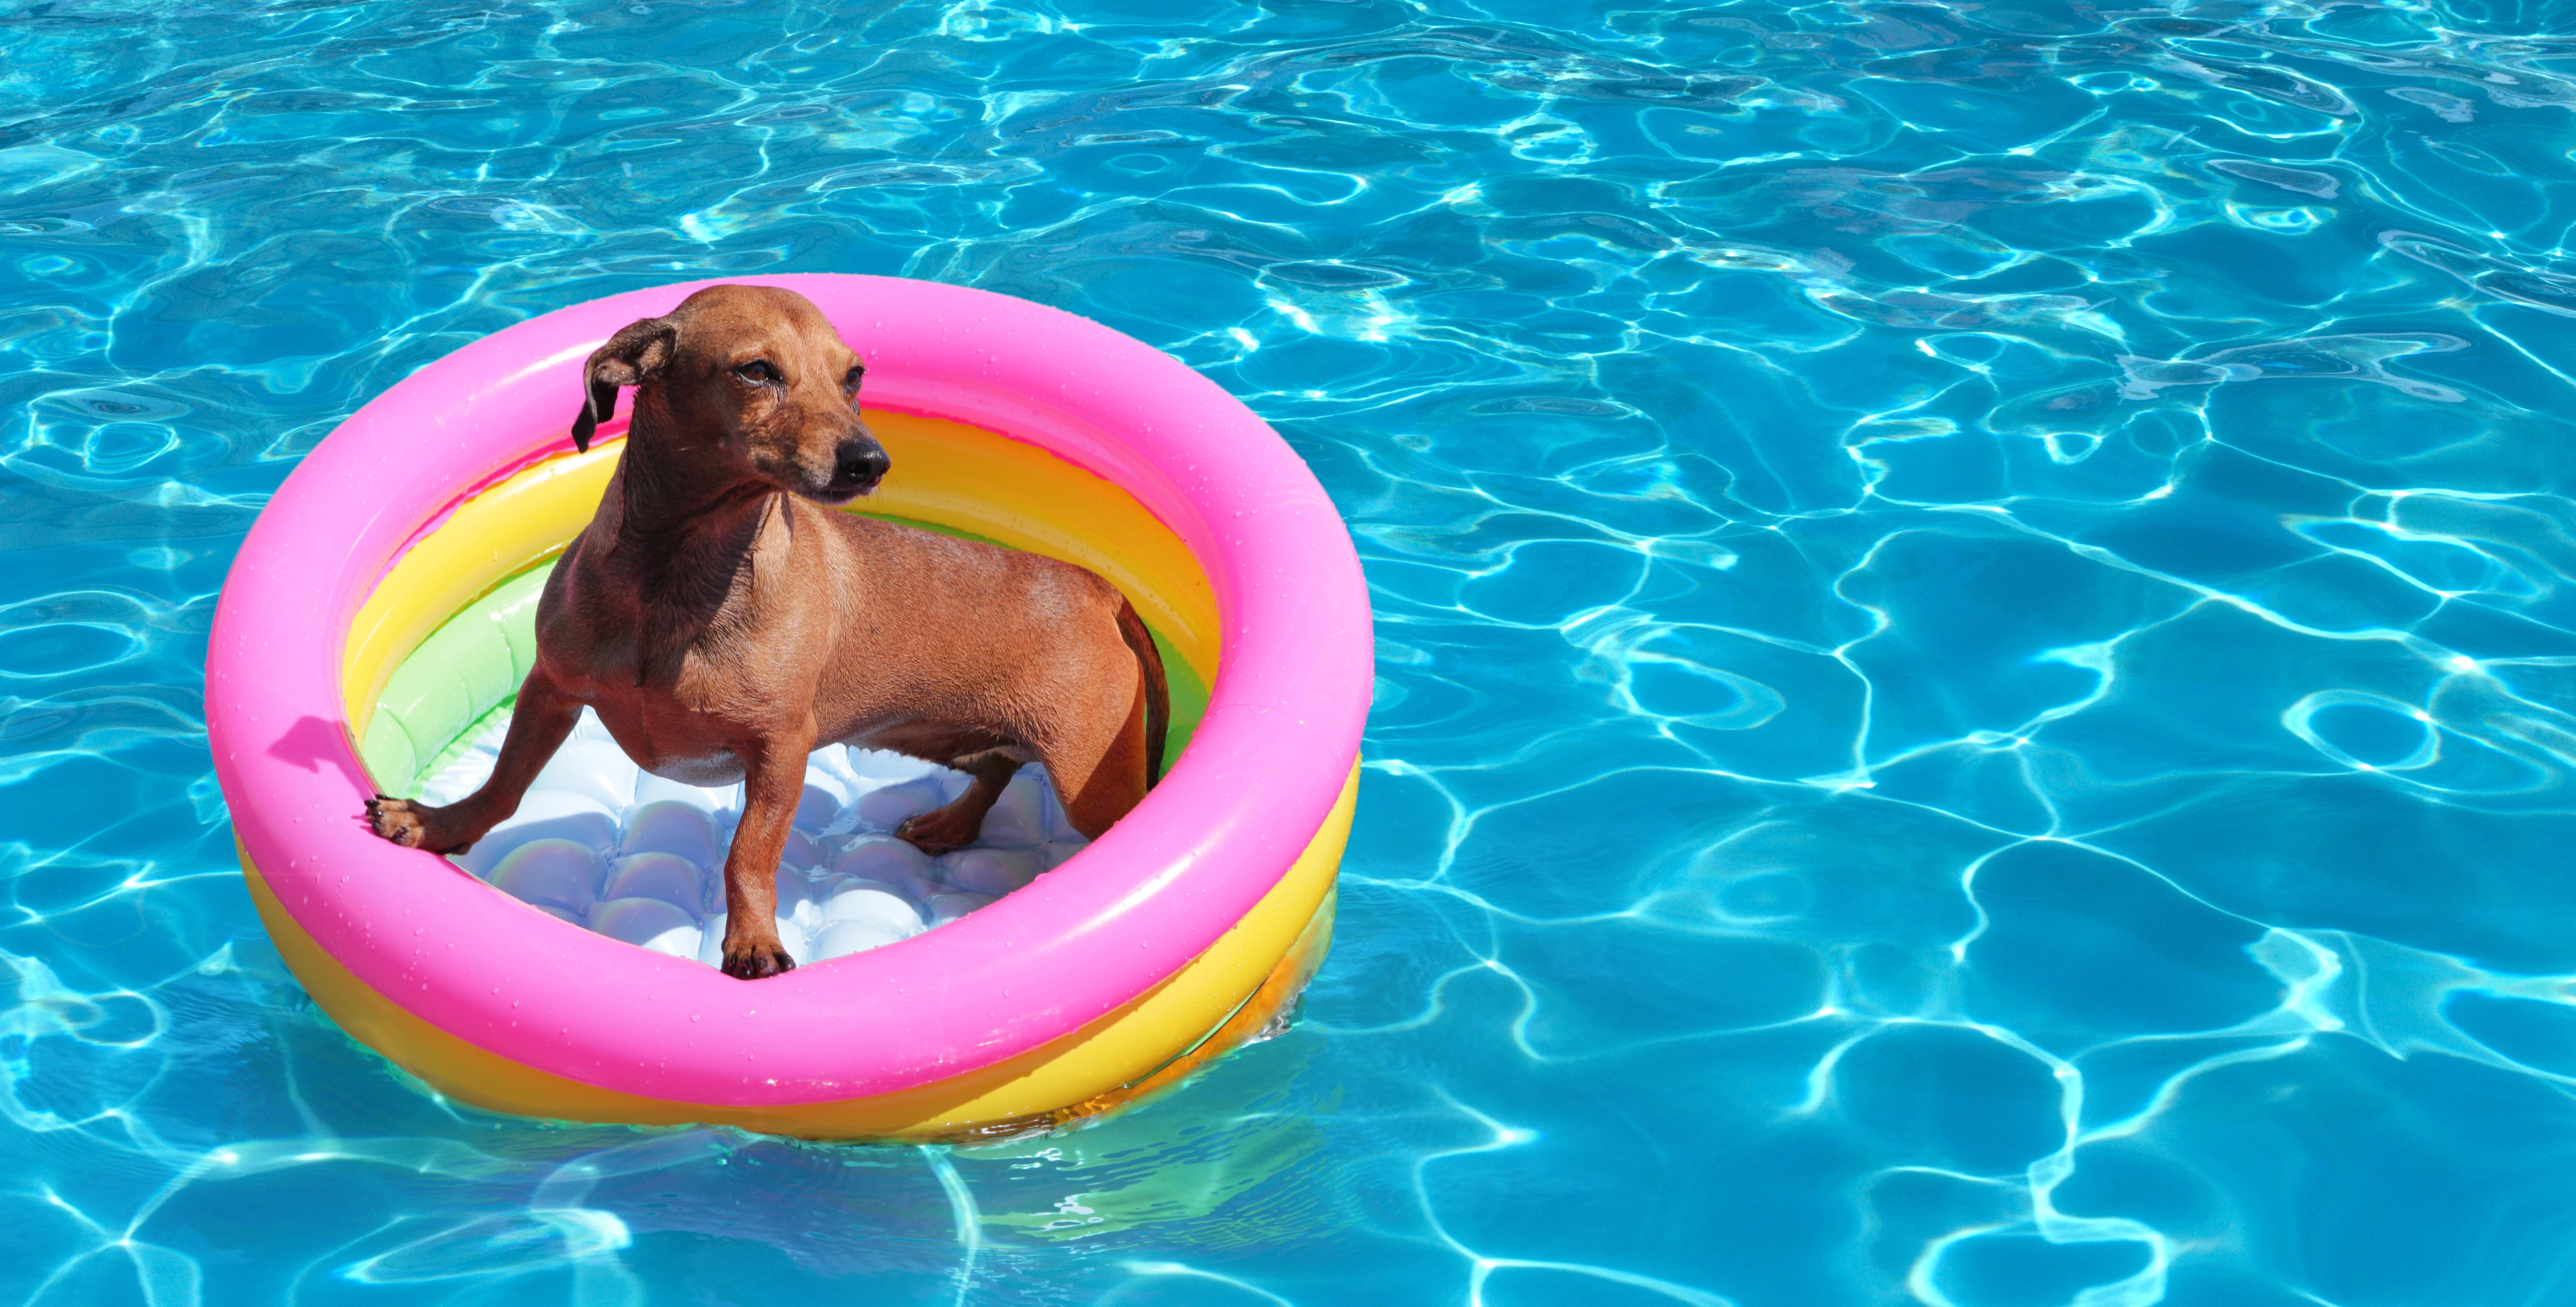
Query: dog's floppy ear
[[630, 358]]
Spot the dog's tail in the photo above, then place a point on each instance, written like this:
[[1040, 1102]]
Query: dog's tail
[[1158, 688]]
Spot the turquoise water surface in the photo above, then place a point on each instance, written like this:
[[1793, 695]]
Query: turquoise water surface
[[1977, 672]]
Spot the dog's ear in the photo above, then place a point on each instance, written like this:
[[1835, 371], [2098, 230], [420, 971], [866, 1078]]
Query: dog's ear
[[630, 358]]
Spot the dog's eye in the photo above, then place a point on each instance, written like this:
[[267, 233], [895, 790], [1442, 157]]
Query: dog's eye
[[850, 380], [758, 372]]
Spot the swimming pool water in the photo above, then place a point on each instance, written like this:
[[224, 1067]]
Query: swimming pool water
[[1977, 676]]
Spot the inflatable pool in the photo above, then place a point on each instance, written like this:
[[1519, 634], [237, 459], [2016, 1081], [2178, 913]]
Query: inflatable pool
[[372, 629]]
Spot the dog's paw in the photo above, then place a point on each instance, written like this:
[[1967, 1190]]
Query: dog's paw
[[413, 825], [396, 820], [755, 959], [937, 832]]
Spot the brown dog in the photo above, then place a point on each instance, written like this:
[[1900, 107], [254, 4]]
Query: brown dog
[[724, 624]]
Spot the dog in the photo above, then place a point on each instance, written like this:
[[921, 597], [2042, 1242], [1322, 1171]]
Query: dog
[[724, 620]]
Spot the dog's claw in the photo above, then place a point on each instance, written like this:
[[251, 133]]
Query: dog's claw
[[393, 819], [403, 822]]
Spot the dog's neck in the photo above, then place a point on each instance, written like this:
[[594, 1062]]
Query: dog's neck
[[675, 499], [676, 495], [688, 524]]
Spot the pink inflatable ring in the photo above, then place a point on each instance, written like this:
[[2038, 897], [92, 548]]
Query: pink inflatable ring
[[1181, 932]]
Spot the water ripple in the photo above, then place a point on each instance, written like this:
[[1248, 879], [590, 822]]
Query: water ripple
[[1974, 696]]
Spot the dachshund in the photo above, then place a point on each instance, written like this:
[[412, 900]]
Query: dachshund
[[724, 620]]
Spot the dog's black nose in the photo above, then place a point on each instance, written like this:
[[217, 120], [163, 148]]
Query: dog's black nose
[[860, 464]]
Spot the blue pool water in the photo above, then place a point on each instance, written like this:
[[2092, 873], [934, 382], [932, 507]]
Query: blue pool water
[[1977, 676]]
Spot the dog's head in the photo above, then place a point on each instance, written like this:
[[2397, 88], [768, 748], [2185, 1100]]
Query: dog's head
[[752, 371]]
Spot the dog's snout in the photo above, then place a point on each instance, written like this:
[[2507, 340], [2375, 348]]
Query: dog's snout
[[859, 464]]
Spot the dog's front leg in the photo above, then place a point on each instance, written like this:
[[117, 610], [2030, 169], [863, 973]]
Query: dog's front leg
[[773, 782], [538, 724]]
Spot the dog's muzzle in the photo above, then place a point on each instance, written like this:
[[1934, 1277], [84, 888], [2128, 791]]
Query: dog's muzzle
[[857, 466]]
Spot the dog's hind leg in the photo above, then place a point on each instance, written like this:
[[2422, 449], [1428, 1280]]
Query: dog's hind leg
[[538, 725], [960, 821], [773, 781], [1100, 776]]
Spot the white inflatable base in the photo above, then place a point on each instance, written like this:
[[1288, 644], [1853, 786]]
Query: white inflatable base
[[603, 845]]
